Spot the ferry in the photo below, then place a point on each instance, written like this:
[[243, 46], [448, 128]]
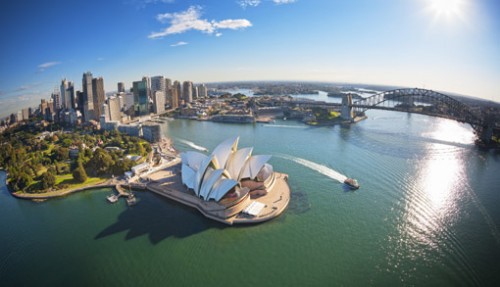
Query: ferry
[[352, 183], [112, 198]]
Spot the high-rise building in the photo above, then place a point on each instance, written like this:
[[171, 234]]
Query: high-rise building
[[202, 91], [141, 99], [88, 98], [64, 98], [148, 86], [176, 94], [157, 84], [56, 98], [114, 109], [99, 96], [159, 102], [43, 106], [121, 87], [69, 99], [195, 92], [187, 91]]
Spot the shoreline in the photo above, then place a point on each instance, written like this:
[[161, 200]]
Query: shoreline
[[55, 194]]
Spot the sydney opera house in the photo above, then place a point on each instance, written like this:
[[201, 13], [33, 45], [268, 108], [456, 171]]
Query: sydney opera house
[[229, 185]]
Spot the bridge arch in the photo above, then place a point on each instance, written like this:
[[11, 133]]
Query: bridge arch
[[435, 104]]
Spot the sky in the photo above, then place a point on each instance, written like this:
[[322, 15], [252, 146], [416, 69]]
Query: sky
[[443, 45]]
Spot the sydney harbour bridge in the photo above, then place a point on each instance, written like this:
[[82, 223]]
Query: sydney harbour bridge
[[411, 100]]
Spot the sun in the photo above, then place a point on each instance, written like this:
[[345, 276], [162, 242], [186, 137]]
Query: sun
[[447, 8]]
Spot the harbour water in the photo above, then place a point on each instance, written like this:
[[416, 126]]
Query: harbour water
[[426, 214]]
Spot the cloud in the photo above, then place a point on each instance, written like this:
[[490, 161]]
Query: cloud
[[143, 3], [279, 2], [249, 3], [181, 22], [181, 43], [44, 66]]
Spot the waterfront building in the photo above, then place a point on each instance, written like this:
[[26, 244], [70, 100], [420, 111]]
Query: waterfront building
[[152, 132], [134, 129], [187, 91], [202, 91], [147, 80], [195, 92], [121, 87], [229, 185], [88, 97], [176, 94], [159, 102], [99, 96], [141, 98]]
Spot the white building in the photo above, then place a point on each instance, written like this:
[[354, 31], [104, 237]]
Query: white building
[[159, 102]]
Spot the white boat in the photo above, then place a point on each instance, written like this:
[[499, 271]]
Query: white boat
[[112, 198], [131, 200], [352, 183]]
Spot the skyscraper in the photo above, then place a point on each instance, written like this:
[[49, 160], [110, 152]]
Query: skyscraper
[[64, 98], [176, 94], [121, 87], [69, 99], [88, 98], [187, 91], [141, 99], [157, 84], [99, 96], [202, 91], [159, 102]]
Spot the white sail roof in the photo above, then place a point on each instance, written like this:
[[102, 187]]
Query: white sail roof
[[188, 175], [221, 187], [224, 150], [193, 159], [211, 177], [253, 166], [237, 161], [201, 172]]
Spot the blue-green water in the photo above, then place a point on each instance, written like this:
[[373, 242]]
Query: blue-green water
[[426, 214]]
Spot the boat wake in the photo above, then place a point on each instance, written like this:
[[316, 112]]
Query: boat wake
[[193, 145], [317, 167]]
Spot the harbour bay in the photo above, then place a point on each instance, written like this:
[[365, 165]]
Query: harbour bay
[[426, 212]]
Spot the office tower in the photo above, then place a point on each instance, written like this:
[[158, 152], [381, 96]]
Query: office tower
[[56, 98], [202, 91], [43, 106], [99, 96], [157, 84], [25, 114], [79, 101], [114, 109], [187, 91], [88, 98], [64, 98], [168, 83], [69, 99], [141, 99], [148, 86], [159, 102], [195, 92], [176, 94], [121, 87]]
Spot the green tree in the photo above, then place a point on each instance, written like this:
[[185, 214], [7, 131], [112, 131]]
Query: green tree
[[48, 180], [100, 163], [79, 174]]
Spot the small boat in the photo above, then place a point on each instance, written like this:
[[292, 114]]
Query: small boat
[[352, 183], [112, 198], [131, 200]]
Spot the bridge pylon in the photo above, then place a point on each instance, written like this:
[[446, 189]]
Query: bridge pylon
[[347, 112]]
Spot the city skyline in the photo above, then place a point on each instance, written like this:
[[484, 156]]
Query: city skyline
[[447, 45]]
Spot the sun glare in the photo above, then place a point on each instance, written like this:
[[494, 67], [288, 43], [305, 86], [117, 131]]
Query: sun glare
[[447, 8]]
